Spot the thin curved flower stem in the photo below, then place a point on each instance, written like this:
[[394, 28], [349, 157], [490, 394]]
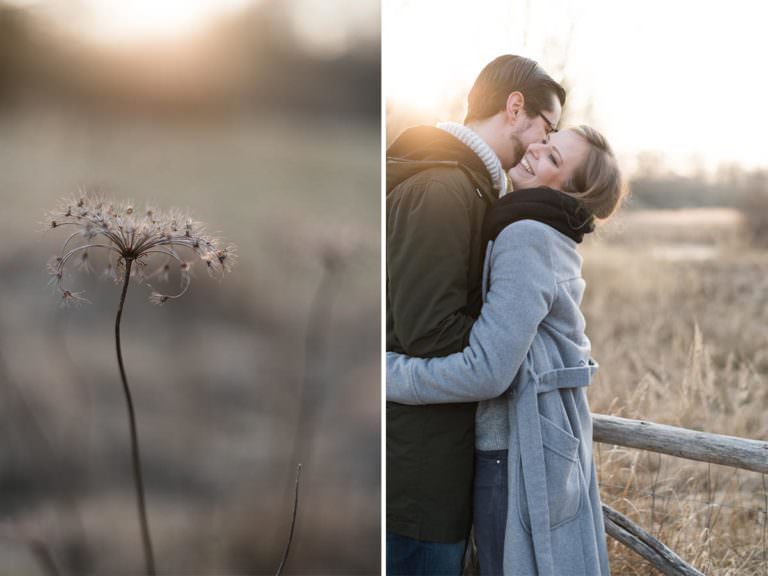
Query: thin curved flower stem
[[112, 237], [160, 298], [147, 243], [86, 247], [314, 353], [154, 242], [137, 475], [167, 253], [44, 558], [63, 261], [68, 240], [293, 522], [161, 270], [184, 287], [129, 237]]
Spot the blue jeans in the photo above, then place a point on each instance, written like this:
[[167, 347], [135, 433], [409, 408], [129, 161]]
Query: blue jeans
[[409, 557], [490, 516]]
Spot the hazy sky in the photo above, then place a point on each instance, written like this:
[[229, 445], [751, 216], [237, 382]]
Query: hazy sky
[[682, 78], [132, 20], [330, 27]]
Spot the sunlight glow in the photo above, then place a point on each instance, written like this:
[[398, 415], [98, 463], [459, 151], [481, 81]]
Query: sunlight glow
[[680, 78], [329, 29], [138, 20]]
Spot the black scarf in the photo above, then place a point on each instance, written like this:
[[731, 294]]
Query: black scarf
[[562, 212]]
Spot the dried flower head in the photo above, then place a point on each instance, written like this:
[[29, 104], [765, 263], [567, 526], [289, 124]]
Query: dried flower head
[[153, 241]]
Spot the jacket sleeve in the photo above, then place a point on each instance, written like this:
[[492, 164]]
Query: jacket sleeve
[[428, 251], [521, 293]]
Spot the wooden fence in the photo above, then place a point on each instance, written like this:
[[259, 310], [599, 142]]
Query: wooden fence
[[683, 443]]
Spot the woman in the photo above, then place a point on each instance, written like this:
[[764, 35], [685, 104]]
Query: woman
[[537, 506]]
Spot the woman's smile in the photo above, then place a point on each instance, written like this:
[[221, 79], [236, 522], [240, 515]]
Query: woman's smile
[[549, 163]]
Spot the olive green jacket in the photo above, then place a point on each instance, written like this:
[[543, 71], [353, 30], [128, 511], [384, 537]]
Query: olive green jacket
[[438, 191]]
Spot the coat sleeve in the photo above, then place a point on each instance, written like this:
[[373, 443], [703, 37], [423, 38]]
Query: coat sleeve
[[428, 251], [521, 293]]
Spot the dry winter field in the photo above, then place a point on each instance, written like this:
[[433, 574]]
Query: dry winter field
[[677, 312]]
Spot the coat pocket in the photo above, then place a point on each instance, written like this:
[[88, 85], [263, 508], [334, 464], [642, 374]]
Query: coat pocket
[[563, 476]]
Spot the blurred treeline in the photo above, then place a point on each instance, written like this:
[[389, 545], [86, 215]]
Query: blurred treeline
[[247, 61], [731, 187], [656, 186]]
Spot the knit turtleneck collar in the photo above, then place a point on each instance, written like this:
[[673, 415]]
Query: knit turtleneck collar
[[472, 139]]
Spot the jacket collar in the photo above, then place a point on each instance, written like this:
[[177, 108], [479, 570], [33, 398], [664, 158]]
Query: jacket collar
[[423, 147]]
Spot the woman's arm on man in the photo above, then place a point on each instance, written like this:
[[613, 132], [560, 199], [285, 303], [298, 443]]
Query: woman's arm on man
[[521, 293]]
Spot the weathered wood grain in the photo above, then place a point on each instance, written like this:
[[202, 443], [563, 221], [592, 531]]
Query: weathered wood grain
[[682, 442], [638, 540]]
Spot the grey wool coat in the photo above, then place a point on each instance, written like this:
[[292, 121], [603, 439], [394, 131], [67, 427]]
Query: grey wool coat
[[528, 359]]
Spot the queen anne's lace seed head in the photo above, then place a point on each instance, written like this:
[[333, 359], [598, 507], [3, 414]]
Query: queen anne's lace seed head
[[153, 241]]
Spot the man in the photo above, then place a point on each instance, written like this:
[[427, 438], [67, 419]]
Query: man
[[440, 181]]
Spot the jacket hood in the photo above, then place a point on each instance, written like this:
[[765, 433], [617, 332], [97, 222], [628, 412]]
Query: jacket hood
[[424, 147]]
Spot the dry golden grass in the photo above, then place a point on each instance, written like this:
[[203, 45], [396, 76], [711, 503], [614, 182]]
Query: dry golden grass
[[677, 311]]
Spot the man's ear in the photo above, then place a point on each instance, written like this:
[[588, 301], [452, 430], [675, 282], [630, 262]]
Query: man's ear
[[515, 102]]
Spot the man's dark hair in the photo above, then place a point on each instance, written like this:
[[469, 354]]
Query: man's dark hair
[[507, 74]]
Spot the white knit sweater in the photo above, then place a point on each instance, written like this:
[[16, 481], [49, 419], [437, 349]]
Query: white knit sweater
[[471, 139]]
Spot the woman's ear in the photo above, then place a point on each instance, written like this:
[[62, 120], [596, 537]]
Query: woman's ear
[[515, 102]]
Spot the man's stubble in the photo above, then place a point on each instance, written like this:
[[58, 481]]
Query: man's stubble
[[518, 150]]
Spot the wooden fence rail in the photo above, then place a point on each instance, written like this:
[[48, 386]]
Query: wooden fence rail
[[683, 443], [635, 538]]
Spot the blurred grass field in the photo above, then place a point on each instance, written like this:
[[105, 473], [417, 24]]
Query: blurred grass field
[[216, 375], [677, 312]]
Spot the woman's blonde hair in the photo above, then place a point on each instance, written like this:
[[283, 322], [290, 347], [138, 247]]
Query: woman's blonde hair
[[597, 181]]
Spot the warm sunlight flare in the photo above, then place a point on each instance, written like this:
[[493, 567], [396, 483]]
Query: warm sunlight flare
[[434, 76], [137, 20], [617, 80]]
